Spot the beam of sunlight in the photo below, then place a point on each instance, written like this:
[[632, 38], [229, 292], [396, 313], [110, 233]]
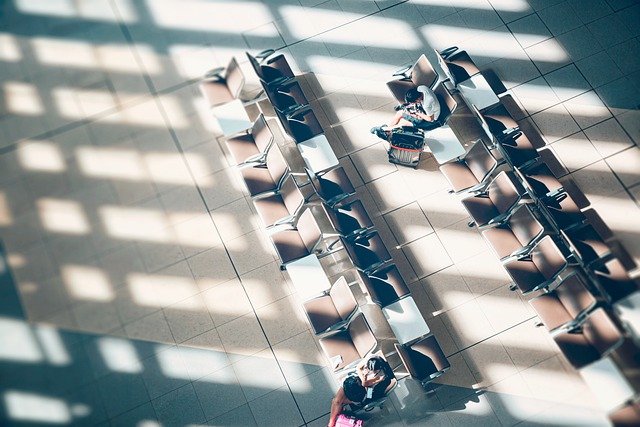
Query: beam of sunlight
[[9, 49], [119, 355], [121, 59], [69, 103], [502, 5], [200, 362], [90, 10], [52, 346], [43, 156], [5, 210], [87, 283], [161, 291], [135, 223], [64, 53], [192, 61], [63, 216], [35, 408], [200, 15], [22, 99], [168, 168], [494, 44], [18, 343], [109, 162]]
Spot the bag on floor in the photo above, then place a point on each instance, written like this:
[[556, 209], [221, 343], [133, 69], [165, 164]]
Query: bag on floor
[[348, 421], [405, 146]]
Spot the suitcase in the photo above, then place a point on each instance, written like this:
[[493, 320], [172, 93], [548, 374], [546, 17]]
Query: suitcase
[[347, 421], [406, 145]]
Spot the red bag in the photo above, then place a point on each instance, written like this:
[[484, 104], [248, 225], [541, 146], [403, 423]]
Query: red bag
[[347, 421]]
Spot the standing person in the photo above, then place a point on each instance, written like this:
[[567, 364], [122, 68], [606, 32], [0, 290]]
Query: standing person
[[421, 110]]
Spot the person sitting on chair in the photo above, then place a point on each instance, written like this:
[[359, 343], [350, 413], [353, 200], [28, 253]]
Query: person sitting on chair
[[421, 110], [375, 373], [352, 391]]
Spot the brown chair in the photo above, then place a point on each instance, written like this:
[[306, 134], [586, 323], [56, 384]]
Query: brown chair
[[518, 149], [298, 242], [332, 311], [350, 220], [472, 171], [517, 235], [302, 125], [495, 203], [565, 305], [346, 348], [447, 104], [457, 65], [424, 359], [542, 177], [332, 186], [590, 340], [420, 73], [268, 177], [385, 285], [282, 206], [627, 416], [367, 252], [588, 241], [223, 85], [287, 99], [271, 70], [539, 268], [496, 121], [252, 146], [563, 207], [613, 279]]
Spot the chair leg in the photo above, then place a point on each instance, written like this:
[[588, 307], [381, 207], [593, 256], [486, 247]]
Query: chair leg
[[513, 287], [471, 223]]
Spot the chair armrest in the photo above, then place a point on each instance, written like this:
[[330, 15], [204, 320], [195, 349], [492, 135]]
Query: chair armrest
[[215, 73], [265, 53], [446, 53], [403, 71]]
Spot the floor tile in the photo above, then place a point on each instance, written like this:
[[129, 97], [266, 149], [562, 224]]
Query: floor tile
[[287, 413], [443, 209], [620, 95], [529, 30], [601, 30], [560, 18], [120, 393], [608, 138], [408, 223], [437, 259], [566, 149], [587, 109], [567, 82], [282, 319], [211, 268], [390, 192], [142, 412], [188, 318], [446, 289], [164, 372], [626, 165], [461, 241], [503, 308], [371, 163], [178, 406], [153, 327], [555, 123], [258, 375], [226, 302], [299, 356], [599, 69], [476, 326], [239, 417], [250, 251], [483, 273], [219, 392], [242, 337], [535, 95]]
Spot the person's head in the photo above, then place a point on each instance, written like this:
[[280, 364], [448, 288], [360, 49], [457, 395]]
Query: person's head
[[412, 95], [353, 389], [375, 364]]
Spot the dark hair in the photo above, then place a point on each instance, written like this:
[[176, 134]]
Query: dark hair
[[353, 389], [378, 363], [412, 95]]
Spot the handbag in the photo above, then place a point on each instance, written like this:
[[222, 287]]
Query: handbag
[[348, 421]]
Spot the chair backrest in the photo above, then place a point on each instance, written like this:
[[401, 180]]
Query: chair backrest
[[626, 416], [548, 258], [505, 191], [386, 285], [574, 295], [291, 195], [601, 332], [483, 123], [261, 133], [423, 359], [423, 72], [276, 164], [343, 298], [480, 161], [348, 218], [275, 69], [367, 251], [519, 149], [445, 67], [498, 119], [309, 230], [331, 186], [361, 335], [614, 280], [303, 125], [399, 88], [447, 103], [541, 179], [234, 77], [255, 65], [524, 225]]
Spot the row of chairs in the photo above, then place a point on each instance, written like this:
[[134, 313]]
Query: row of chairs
[[536, 226]]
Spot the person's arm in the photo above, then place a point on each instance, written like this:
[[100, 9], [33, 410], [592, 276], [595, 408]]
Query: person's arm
[[338, 402], [361, 373], [372, 381]]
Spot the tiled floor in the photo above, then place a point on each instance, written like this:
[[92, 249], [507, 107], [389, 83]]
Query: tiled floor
[[139, 287]]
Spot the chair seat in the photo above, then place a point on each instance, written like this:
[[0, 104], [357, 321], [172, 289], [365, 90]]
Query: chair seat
[[551, 311], [502, 241], [481, 209], [459, 175], [499, 119], [525, 274], [242, 147], [258, 180], [322, 313], [520, 150], [271, 209], [340, 344], [289, 245], [577, 349], [216, 92]]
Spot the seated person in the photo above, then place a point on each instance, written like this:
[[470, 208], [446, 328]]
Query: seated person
[[375, 373], [352, 391], [421, 110]]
